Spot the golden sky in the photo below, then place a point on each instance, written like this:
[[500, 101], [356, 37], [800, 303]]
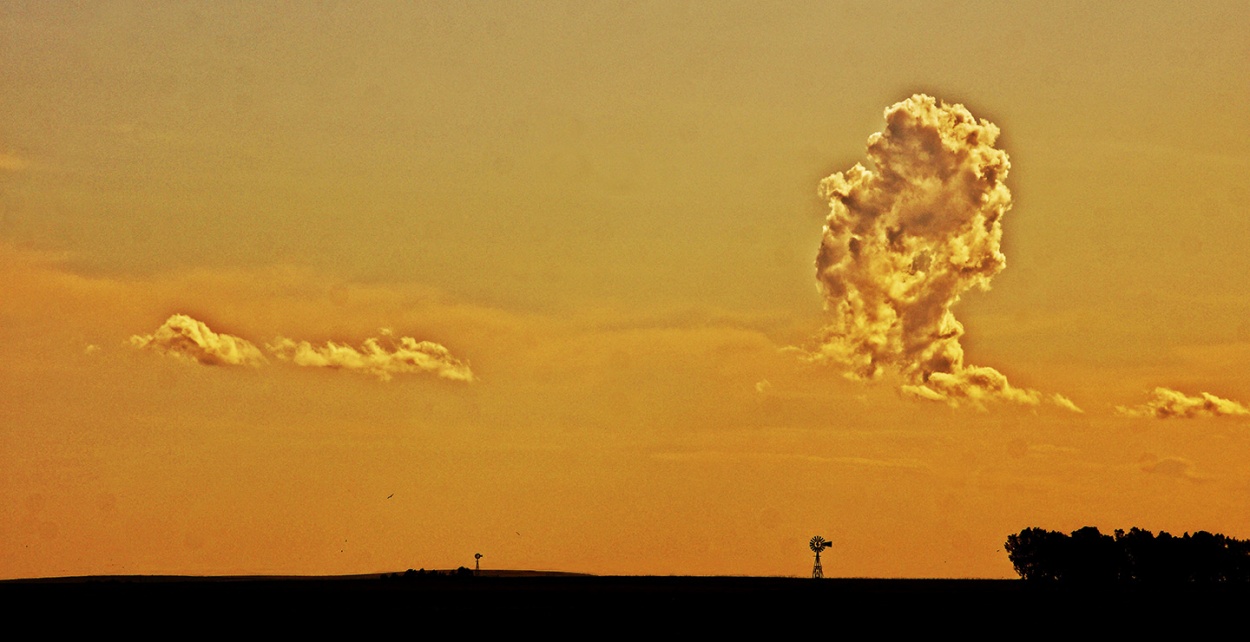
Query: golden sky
[[321, 288]]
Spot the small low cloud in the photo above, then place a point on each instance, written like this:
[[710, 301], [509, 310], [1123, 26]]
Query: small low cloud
[[1165, 403], [1064, 402], [1178, 467], [405, 356], [185, 338]]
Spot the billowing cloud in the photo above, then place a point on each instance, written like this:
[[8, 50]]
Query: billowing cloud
[[185, 338], [406, 356], [1165, 403], [904, 240]]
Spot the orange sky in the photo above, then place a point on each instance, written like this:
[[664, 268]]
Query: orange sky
[[608, 214]]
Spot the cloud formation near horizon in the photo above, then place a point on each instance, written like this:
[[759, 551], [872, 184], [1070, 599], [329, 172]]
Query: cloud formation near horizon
[[1165, 403], [409, 356], [186, 338], [1169, 466], [904, 240]]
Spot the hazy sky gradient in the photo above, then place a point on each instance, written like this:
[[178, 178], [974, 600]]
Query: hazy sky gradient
[[609, 212]]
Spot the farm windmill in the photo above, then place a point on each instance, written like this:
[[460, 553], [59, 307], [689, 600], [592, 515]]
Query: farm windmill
[[477, 562], [817, 545]]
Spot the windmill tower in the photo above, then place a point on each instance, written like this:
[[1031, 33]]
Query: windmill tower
[[477, 562], [817, 545]]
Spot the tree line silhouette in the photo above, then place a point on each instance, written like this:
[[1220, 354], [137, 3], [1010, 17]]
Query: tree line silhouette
[[422, 574], [1089, 556]]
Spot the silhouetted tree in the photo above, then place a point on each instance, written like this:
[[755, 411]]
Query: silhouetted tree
[[1034, 553], [1091, 557]]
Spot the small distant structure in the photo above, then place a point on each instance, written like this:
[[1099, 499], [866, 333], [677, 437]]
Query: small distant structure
[[817, 545], [477, 563]]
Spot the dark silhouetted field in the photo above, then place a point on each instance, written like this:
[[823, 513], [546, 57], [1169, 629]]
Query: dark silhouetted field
[[520, 598]]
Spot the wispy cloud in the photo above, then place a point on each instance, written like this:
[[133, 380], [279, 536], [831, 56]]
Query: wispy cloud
[[12, 162], [1165, 403], [1178, 467], [1064, 402], [860, 462]]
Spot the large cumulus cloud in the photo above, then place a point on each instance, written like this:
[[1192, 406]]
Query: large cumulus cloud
[[904, 241]]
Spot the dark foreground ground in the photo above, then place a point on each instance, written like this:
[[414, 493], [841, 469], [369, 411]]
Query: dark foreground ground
[[1003, 608]]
